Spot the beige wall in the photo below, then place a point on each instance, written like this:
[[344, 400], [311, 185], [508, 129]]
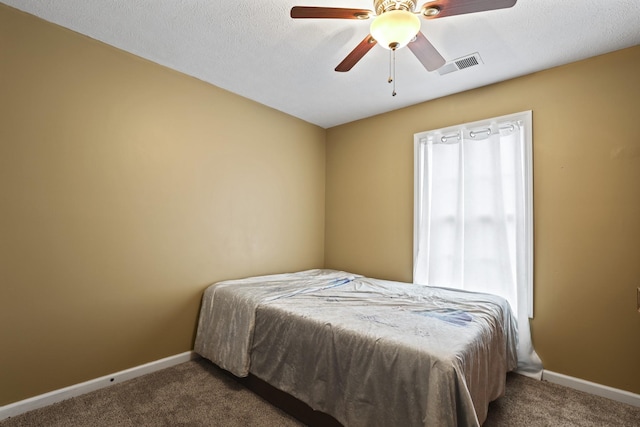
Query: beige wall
[[586, 197], [125, 189]]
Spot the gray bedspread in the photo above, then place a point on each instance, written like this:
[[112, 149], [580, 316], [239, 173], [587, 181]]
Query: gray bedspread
[[368, 352]]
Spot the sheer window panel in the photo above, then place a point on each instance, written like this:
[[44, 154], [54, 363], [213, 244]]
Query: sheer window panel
[[473, 220]]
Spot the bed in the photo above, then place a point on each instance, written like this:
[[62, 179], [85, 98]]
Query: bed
[[367, 352]]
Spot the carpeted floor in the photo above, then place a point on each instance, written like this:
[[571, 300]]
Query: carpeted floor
[[528, 402], [197, 393]]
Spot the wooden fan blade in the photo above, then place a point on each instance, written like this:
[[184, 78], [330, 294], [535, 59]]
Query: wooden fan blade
[[460, 7], [302, 12], [356, 54], [426, 53]]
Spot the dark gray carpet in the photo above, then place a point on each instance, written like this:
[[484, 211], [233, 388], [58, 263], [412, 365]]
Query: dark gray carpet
[[197, 393]]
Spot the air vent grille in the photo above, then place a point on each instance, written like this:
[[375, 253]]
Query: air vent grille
[[467, 62], [461, 63]]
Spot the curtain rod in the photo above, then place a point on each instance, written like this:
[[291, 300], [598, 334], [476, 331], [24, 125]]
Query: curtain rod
[[473, 133]]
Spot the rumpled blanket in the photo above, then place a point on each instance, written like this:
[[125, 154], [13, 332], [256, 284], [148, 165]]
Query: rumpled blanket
[[366, 351], [227, 313]]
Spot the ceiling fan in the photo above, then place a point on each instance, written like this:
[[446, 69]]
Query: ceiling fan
[[397, 24]]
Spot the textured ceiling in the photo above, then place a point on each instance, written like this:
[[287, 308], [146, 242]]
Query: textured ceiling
[[256, 50]]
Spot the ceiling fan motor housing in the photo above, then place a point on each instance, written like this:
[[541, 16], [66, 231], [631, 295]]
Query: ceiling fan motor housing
[[382, 6]]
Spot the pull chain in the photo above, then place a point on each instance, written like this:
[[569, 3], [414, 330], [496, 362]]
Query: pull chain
[[392, 70], [394, 73]]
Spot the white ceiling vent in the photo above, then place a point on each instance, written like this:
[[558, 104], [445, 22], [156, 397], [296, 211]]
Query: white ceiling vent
[[460, 64]]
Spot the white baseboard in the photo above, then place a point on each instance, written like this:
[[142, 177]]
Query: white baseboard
[[592, 388], [22, 406]]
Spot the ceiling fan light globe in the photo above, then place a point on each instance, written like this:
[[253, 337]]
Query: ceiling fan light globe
[[395, 29]]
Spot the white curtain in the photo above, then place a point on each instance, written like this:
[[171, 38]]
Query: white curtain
[[472, 218]]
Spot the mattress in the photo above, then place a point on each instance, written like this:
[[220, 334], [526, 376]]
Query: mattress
[[368, 352]]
